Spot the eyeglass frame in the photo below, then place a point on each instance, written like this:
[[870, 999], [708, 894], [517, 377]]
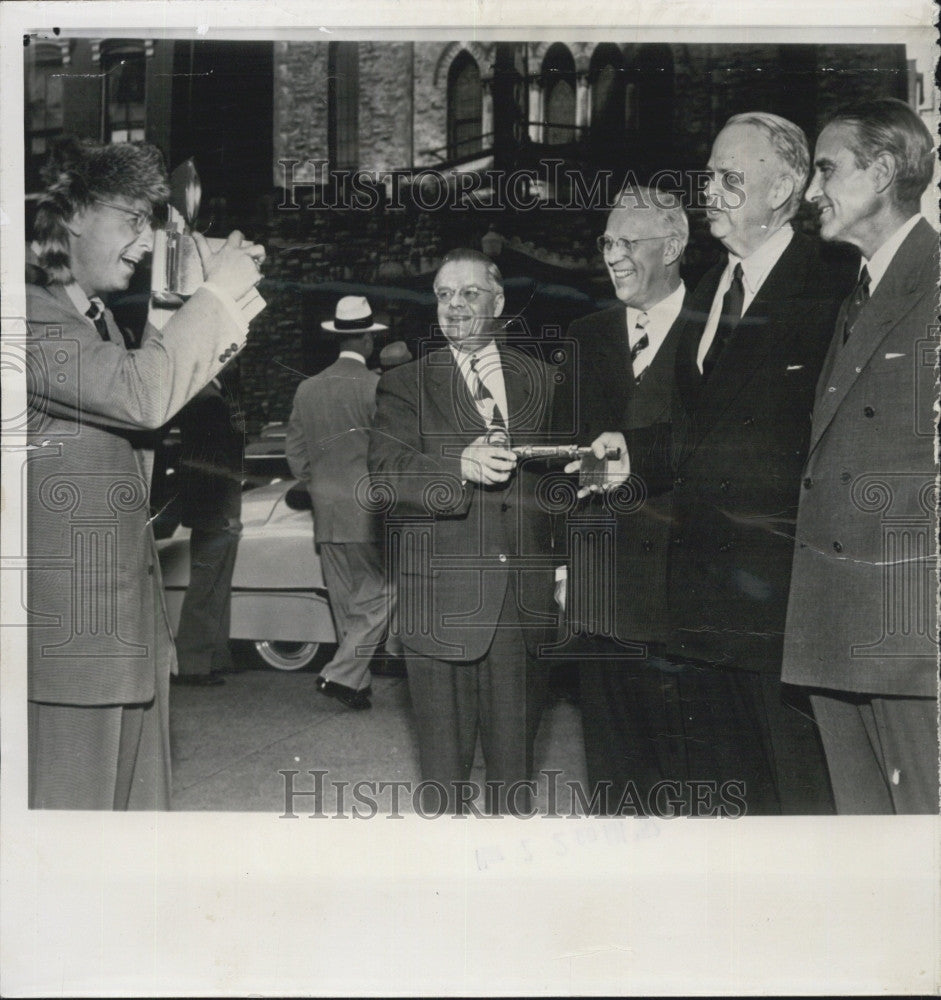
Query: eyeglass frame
[[445, 295], [140, 219], [606, 244]]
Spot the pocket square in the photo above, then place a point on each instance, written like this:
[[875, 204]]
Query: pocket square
[[891, 357], [794, 368]]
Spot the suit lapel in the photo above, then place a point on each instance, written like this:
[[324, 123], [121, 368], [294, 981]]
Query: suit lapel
[[446, 391], [895, 297], [688, 377]]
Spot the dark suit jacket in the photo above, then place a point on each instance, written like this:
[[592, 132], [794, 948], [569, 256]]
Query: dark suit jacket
[[455, 546], [605, 396], [211, 449], [862, 614], [736, 451], [326, 448]]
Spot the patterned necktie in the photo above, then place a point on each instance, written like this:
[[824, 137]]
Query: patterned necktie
[[729, 318], [855, 303], [641, 344], [97, 316], [486, 404]]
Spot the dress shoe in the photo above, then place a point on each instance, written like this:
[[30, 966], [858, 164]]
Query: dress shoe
[[358, 700], [212, 679]]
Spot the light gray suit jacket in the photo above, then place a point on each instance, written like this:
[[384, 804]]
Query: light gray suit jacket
[[862, 614], [96, 614], [326, 445]]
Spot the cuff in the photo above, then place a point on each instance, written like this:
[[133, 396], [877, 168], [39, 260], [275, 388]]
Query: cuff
[[231, 306], [561, 573]]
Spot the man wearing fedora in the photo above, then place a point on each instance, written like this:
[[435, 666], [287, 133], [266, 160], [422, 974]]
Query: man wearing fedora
[[326, 449]]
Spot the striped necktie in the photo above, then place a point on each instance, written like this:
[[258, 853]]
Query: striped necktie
[[640, 345], [486, 404]]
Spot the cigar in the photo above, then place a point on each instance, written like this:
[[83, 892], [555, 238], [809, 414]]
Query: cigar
[[570, 452]]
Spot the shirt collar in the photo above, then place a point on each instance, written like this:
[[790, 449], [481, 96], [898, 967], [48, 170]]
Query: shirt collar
[[464, 358], [882, 258], [660, 317], [757, 265], [81, 301], [353, 356]]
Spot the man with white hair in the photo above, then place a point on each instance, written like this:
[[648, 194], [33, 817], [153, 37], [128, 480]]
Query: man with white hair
[[740, 421], [623, 376]]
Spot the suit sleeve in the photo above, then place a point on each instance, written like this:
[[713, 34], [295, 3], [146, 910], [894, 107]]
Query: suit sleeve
[[107, 385], [420, 482], [295, 445]]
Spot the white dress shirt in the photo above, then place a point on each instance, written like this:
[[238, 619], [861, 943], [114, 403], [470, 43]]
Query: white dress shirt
[[490, 371], [882, 258], [660, 318], [755, 268]]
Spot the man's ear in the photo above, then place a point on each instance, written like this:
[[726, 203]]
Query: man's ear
[[498, 303], [781, 191], [883, 170], [76, 224], [672, 250]]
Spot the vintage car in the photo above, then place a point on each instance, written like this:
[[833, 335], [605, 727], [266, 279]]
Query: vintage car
[[279, 602]]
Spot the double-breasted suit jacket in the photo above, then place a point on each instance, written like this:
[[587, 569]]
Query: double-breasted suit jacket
[[454, 546], [738, 444], [863, 614], [326, 446], [602, 396], [98, 627]]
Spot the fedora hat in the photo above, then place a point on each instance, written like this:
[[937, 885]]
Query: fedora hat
[[394, 354], [352, 316]]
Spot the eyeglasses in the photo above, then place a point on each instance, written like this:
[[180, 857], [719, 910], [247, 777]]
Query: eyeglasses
[[606, 244], [139, 219], [470, 294]]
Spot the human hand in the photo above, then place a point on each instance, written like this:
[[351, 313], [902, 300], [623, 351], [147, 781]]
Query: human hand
[[485, 462], [598, 474], [235, 267]]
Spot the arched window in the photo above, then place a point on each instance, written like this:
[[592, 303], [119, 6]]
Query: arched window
[[123, 68], [558, 74], [465, 103], [607, 81], [343, 105]]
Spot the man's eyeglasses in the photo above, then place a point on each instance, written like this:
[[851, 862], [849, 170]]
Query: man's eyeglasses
[[139, 219], [606, 244], [470, 294]]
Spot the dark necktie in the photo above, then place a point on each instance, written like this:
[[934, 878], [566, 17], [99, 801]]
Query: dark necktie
[[483, 397], [729, 318], [855, 303], [97, 316], [641, 344]]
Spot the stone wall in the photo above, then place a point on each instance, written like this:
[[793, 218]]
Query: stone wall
[[300, 112]]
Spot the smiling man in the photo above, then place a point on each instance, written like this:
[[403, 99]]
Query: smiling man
[[862, 618], [468, 541], [100, 647], [623, 377]]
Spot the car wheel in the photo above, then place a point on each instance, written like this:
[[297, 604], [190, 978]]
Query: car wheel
[[286, 655]]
